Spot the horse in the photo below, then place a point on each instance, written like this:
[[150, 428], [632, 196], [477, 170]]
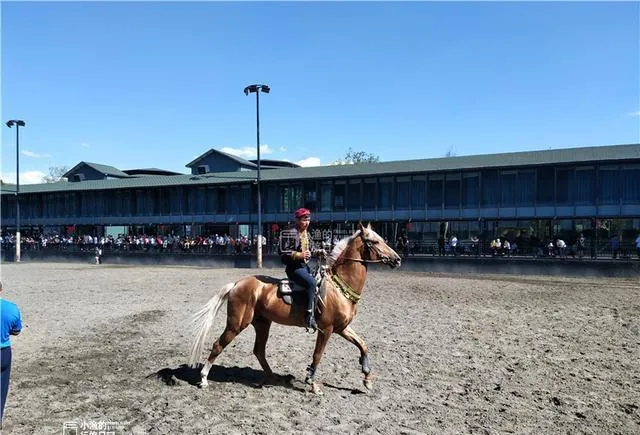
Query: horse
[[254, 300]]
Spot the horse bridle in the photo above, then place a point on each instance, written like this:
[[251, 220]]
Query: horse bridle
[[369, 245]]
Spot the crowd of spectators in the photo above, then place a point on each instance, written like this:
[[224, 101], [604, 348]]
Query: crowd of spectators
[[221, 244], [224, 244]]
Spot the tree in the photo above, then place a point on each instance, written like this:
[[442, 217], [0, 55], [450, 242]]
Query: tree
[[451, 152], [55, 174], [354, 157]]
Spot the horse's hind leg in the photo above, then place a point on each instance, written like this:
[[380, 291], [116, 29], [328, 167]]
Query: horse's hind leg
[[234, 327], [262, 327], [351, 336]]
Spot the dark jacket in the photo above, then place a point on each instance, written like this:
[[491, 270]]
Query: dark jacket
[[289, 243]]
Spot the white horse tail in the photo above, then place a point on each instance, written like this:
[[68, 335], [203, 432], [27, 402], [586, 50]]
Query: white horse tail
[[203, 320]]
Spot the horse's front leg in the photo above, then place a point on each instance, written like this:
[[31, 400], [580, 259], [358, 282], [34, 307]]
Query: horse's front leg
[[351, 336], [321, 343]]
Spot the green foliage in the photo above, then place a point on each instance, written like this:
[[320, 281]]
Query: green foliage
[[354, 157], [55, 174]]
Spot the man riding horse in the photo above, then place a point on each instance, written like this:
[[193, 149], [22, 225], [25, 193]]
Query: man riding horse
[[295, 256]]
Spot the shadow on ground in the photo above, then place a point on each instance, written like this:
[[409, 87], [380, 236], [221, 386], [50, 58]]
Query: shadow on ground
[[240, 375]]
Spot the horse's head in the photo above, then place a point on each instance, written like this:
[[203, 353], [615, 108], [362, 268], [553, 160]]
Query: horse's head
[[375, 248]]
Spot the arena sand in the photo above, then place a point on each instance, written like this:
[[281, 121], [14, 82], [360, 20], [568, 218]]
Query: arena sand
[[105, 349]]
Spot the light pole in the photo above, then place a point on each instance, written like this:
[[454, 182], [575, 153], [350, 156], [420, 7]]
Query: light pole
[[251, 89], [18, 123]]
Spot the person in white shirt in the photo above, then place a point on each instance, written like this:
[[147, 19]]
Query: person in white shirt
[[454, 245], [550, 249], [506, 246], [562, 247]]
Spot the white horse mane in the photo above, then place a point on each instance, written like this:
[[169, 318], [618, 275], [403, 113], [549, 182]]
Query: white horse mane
[[339, 248], [342, 245]]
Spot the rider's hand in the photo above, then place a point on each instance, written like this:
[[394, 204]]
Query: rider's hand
[[307, 254]]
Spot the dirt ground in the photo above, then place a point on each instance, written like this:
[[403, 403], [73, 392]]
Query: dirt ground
[[106, 347]]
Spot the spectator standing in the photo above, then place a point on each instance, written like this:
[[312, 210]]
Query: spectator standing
[[11, 324], [506, 247], [615, 247], [454, 245], [580, 244], [441, 246], [562, 249], [475, 245], [638, 246]]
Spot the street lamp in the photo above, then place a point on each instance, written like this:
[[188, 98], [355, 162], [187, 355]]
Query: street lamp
[[251, 89], [18, 123]]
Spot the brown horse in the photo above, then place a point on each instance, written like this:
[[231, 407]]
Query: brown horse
[[254, 301]]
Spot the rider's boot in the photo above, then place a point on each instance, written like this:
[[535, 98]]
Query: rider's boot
[[311, 321]]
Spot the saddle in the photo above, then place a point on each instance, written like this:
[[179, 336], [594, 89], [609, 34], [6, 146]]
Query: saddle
[[289, 290]]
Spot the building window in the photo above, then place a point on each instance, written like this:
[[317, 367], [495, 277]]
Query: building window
[[354, 196], [490, 188], [545, 186], [272, 198], [403, 185], [325, 196], [630, 183], [452, 190], [508, 188], [584, 187], [470, 185], [434, 190], [609, 185], [310, 195], [385, 193], [418, 190], [564, 183], [526, 188], [339, 189], [369, 194]]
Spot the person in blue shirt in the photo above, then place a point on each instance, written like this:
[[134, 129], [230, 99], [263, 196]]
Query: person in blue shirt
[[11, 324]]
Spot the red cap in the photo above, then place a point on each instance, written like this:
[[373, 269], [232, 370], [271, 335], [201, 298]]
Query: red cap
[[301, 212]]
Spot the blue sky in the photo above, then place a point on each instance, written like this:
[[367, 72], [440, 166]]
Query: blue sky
[[155, 84]]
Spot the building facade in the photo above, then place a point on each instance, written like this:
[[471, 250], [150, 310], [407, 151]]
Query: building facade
[[526, 196]]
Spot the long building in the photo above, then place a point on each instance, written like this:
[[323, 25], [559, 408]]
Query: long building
[[526, 196]]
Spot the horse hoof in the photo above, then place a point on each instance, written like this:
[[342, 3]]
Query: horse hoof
[[308, 380], [368, 384], [203, 384], [315, 388]]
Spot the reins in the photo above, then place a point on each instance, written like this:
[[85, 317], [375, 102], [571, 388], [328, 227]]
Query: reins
[[349, 293], [361, 260]]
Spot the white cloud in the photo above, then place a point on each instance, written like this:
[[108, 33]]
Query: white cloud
[[282, 149], [247, 152], [85, 145], [34, 155], [310, 161], [27, 177]]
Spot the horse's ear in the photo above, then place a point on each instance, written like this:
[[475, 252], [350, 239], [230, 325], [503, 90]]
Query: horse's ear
[[360, 227], [369, 226]]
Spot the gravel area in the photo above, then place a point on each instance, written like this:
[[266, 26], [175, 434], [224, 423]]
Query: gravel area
[[107, 345]]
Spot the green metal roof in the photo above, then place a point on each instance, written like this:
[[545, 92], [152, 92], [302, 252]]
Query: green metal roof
[[214, 151], [103, 169], [516, 159]]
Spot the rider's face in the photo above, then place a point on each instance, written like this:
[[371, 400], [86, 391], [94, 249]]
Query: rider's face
[[303, 222]]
